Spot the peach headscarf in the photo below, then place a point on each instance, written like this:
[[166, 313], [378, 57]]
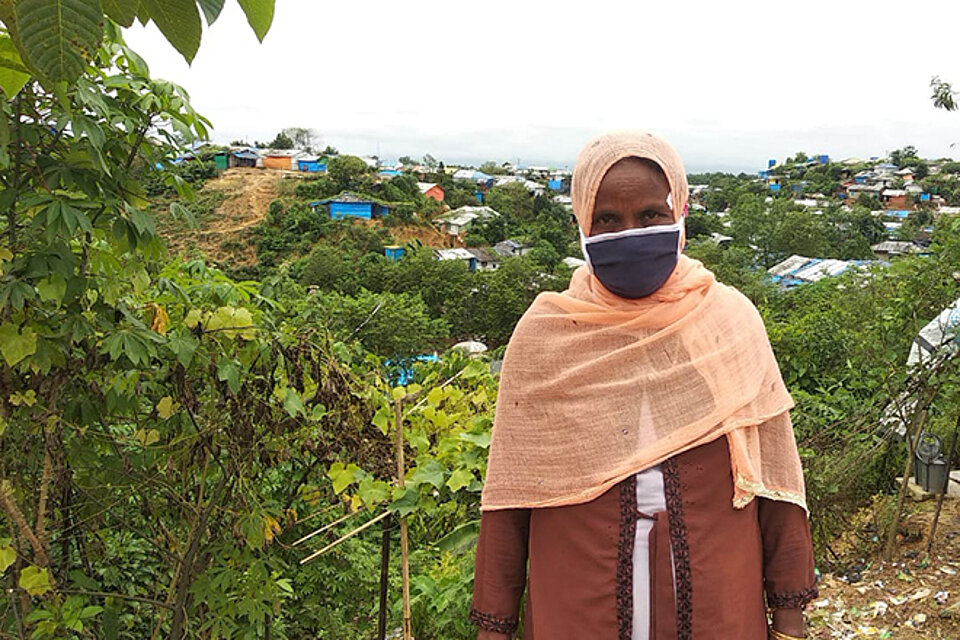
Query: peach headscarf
[[596, 387]]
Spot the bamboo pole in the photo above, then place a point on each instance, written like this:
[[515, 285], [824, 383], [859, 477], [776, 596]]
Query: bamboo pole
[[369, 523], [324, 528], [912, 436], [946, 488], [384, 574], [404, 545], [317, 513]]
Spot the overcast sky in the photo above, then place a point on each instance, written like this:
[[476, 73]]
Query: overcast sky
[[729, 83]]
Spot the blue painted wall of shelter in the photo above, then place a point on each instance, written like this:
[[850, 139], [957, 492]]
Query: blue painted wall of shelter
[[556, 185], [405, 373], [394, 253], [366, 210], [774, 187], [313, 166], [340, 210]]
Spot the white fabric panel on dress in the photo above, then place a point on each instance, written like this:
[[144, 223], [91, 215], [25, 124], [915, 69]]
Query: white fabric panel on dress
[[650, 500]]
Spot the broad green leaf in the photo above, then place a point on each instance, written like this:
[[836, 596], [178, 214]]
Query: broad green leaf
[[404, 500], [58, 36], [461, 538], [251, 526], [343, 477], [15, 345], [229, 371], [192, 318], [211, 9], [435, 397], [259, 14], [184, 347], [459, 479], [482, 440], [180, 212], [110, 624], [231, 322], [292, 403], [431, 472], [381, 419], [91, 611], [13, 75], [179, 22], [52, 288], [373, 491], [123, 12], [146, 437], [398, 393], [7, 556], [34, 580], [165, 407]]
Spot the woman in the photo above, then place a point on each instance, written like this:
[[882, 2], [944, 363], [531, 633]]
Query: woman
[[643, 462]]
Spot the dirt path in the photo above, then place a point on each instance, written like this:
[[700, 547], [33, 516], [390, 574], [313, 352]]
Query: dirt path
[[248, 195]]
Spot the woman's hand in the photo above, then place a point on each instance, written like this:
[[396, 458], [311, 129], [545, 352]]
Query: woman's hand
[[789, 621]]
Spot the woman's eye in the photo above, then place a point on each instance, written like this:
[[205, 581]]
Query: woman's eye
[[606, 218]]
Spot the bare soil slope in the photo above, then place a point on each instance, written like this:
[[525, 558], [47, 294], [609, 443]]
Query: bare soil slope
[[912, 597], [244, 196]]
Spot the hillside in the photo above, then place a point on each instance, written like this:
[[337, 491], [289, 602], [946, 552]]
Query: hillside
[[227, 207], [230, 205]]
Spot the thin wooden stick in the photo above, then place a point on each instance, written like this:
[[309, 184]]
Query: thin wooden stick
[[946, 488], [404, 545], [318, 513], [324, 528], [384, 576], [344, 537]]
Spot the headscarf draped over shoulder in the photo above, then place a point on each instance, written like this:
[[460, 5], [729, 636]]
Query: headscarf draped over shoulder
[[596, 387]]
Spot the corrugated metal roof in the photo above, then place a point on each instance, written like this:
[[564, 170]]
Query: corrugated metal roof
[[453, 254]]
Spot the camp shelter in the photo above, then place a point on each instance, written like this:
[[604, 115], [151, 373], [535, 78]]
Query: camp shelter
[[350, 205], [312, 164], [243, 158]]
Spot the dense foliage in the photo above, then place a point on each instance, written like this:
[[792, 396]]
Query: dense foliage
[[168, 431]]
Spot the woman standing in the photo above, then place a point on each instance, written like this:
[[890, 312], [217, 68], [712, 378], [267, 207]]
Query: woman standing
[[643, 463]]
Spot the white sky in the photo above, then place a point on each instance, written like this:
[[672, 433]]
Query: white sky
[[729, 83]]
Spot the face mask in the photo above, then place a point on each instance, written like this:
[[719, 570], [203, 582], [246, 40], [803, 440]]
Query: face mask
[[636, 262]]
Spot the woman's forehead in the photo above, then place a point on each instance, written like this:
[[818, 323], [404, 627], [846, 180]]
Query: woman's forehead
[[634, 173]]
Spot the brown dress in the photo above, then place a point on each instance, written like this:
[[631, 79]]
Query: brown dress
[[728, 565]]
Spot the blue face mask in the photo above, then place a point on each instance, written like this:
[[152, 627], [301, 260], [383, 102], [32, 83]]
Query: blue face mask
[[636, 262]]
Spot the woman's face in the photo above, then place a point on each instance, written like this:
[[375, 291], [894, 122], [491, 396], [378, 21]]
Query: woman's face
[[632, 194]]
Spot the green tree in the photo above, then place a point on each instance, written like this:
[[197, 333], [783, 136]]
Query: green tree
[[396, 326], [513, 199], [281, 141], [348, 172], [330, 269]]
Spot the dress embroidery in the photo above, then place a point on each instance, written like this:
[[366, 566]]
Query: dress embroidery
[[793, 599], [681, 550], [628, 529], [493, 623]]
